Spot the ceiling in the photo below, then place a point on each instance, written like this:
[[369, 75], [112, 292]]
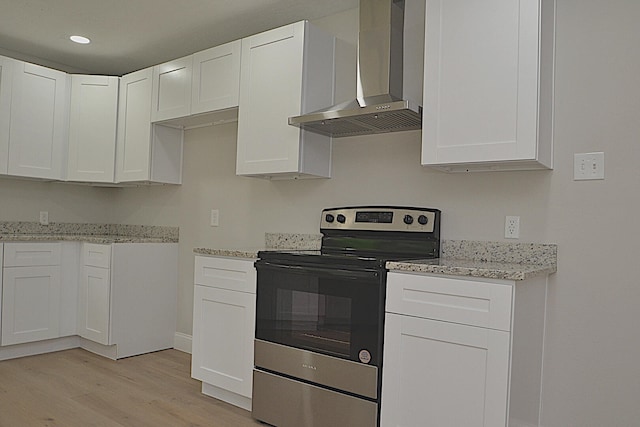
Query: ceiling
[[128, 35]]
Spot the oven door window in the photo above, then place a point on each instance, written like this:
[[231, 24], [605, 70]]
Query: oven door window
[[330, 312]]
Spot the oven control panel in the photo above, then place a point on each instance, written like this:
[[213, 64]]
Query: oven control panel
[[381, 218]]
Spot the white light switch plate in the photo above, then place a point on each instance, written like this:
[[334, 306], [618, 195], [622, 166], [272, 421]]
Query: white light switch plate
[[215, 217], [588, 166]]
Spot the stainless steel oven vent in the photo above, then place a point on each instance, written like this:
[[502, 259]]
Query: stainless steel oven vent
[[379, 106]]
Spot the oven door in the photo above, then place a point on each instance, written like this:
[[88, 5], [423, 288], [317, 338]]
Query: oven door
[[323, 309]]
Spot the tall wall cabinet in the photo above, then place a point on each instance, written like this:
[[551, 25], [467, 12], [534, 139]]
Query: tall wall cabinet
[[488, 85], [92, 128], [6, 75], [39, 121], [285, 72], [145, 152]]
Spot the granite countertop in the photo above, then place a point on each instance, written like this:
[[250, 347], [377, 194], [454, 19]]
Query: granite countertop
[[491, 260], [90, 233], [464, 267]]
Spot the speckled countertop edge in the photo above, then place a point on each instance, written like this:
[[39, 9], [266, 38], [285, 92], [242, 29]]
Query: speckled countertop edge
[[493, 260], [92, 233]]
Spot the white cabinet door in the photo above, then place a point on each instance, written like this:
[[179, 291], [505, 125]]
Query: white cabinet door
[[443, 374], [171, 97], [92, 128], [30, 304], [487, 86], [144, 152], [6, 81], [133, 148], [94, 303], [39, 122], [274, 83], [216, 78], [223, 338]]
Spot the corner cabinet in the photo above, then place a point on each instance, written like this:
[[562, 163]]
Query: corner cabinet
[[39, 122], [6, 80], [145, 153], [488, 85], [462, 352], [285, 72], [224, 305], [127, 297], [92, 128]]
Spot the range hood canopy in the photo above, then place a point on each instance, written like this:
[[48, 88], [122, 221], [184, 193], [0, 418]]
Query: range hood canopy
[[379, 107]]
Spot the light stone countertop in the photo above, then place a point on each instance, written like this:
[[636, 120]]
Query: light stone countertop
[[491, 260], [90, 233]]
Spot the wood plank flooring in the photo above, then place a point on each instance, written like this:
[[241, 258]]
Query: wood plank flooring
[[76, 388]]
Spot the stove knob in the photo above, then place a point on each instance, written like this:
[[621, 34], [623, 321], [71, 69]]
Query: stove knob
[[423, 220], [341, 219], [329, 218], [408, 219]]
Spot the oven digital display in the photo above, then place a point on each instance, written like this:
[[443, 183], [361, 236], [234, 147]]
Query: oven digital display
[[381, 217]]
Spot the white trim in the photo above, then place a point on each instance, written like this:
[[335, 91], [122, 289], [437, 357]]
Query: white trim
[[38, 347], [182, 342], [226, 396]]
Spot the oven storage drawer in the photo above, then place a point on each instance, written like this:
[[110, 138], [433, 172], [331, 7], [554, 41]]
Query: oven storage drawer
[[467, 302], [225, 273], [289, 403]]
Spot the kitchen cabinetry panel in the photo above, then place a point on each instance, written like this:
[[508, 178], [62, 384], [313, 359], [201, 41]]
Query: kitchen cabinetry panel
[[279, 70], [95, 293], [442, 365], [224, 328], [171, 96], [475, 377], [92, 128], [39, 122], [216, 78], [144, 152], [488, 85], [6, 81], [30, 304]]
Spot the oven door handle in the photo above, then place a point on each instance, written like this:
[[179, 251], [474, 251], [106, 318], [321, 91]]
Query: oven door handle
[[324, 272]]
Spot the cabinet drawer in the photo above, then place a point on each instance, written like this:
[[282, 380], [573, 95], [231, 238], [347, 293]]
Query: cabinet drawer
[[226, 273], [466, 302], [95, 255], [31, 254]]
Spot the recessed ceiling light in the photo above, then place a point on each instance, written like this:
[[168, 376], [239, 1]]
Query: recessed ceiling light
[[80, 39]]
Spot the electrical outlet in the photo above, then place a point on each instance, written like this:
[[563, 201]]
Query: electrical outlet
[[215, 217], [588, 166], [512, 227], [44, 218]]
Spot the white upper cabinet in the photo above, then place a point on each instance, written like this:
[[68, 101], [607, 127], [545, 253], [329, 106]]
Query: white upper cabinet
[[92, 128], [172, 89], [144, 153], [285, 72], [199, 89], [488, 85], [6, 68], [39, 122], [216, 78]]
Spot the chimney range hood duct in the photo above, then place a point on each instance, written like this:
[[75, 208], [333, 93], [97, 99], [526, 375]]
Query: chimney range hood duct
[[379, 107]]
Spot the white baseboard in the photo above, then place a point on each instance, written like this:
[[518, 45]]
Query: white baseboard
[[182, 342]]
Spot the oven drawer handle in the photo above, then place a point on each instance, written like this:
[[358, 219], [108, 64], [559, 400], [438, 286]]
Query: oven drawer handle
[[326, 272]]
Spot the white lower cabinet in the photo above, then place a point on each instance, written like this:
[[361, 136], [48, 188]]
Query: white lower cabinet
[[224, 328], [462, 352], [31, 289], [127, 297]]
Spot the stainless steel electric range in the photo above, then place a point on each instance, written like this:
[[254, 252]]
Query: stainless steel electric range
[[320, 316]]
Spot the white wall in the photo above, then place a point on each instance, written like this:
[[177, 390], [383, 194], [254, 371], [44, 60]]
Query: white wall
[[22, 200], [591, 368]]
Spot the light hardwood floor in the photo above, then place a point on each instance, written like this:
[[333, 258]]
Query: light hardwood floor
[[75, 388]]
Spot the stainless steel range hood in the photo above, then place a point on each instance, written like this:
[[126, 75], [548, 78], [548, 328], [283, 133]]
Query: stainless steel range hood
[[379, 107]]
